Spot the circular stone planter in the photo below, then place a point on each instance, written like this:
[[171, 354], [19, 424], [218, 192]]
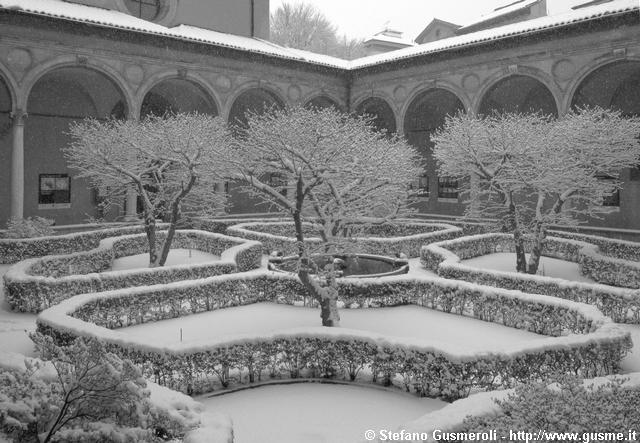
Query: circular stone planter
[[349, 265], [388, 239]]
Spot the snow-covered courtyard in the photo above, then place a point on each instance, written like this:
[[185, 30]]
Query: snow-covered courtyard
[[411, 322], [288, 411]]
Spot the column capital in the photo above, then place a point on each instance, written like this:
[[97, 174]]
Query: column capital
[[18, 116]]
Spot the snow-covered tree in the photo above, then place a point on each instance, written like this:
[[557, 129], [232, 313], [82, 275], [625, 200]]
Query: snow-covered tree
[[531, 171], [80, 393], [329, 168], [303, 26], [174, 163]]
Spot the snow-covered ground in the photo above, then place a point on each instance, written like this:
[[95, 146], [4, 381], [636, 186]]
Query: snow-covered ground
[[399, 321], [175, 257], [311, 412], [14, 325], [316, 413], [549, 267]]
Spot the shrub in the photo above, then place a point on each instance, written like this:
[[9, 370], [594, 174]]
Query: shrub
[[92, 395], [29, 227], [566, 406]]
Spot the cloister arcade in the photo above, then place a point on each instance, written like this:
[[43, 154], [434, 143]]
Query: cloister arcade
[[42, 91]]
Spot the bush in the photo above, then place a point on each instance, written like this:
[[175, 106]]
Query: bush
[[566, 406], [585, 342], [29, 227], [91, 395], [621, 304]]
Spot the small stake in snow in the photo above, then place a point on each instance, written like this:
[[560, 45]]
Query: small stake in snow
[[180, 335]]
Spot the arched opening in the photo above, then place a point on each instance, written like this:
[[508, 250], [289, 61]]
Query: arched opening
[[322, 102], [177, 95], [5, 150], [518, 93], [426, 114], [252, 101], [616, 86], [381, 113], [59, 98]]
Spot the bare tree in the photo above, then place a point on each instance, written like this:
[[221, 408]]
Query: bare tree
[[332, 169], [530, 171], [303, 26], [173, 163]]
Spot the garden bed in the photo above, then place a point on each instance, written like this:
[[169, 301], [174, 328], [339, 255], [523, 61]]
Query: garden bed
[[35, 284], [388, 239], [581, 339], [621, 304]]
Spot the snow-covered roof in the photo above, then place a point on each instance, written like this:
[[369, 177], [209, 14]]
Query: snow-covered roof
[[499, 33], [115, 19], [499, 12], [119, 20]]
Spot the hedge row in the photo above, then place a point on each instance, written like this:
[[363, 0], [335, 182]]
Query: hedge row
[[585, 342], [14, 250], [406, 237], [621, 304], [36, 284]]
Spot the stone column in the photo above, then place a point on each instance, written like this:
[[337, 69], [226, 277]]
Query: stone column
[[130, 205], [17, 164]]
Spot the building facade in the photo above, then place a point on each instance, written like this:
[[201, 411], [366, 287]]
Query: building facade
[[61, 62]]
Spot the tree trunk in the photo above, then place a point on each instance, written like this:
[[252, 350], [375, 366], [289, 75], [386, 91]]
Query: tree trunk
[[329, 310], [511, 224], [150, 228], [538, 247], [521, 258]]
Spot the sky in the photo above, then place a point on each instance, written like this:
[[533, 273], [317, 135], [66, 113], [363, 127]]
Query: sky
[[364, 18]]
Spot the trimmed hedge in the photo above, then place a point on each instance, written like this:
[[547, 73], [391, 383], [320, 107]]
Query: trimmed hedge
[[622, 305], [585, 342], [14, 250], [35, 284], [406, 237]]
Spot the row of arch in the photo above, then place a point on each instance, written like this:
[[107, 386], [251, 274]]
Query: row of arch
[[615, 85], [81, 91], [74, 91], [68, 93]]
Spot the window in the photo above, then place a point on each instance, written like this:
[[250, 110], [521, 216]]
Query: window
[[144, 9], [220, 187], [448, 188], [420, 187], [612, 199], [54, 190], [278, 182]]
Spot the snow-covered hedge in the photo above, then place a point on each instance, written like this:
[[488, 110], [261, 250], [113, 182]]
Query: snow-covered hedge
[[621, 304], [614, 262], [35, 284], [584, 341], [451, 419], [390, 239], [14, 250]]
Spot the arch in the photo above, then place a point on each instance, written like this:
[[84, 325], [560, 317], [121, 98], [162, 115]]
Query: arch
[[6, 97], [58, 98], [11, 89], [379, 109], [322, 101], [170, 94], [252, 100], [517, 93], [425, 114], [7, 107], [42, 70], [614, 85], [428, 109]]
